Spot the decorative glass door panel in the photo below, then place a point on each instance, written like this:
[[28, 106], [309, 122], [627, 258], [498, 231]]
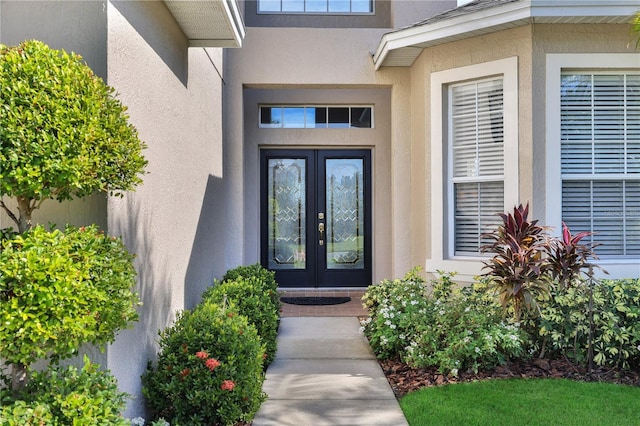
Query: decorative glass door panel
[[345, 213], [286, 212], [316, 217]]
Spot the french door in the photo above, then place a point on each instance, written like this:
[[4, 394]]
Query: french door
[[316, 217]]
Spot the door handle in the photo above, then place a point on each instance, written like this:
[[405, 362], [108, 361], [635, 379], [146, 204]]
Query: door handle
[[321, 231]]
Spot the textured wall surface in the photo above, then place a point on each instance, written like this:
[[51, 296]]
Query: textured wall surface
[[174, 98]]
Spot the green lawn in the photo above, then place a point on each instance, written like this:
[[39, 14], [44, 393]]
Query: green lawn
[[524, 402]]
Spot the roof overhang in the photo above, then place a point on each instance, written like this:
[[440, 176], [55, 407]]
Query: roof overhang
[[401, 48], [209, 23]]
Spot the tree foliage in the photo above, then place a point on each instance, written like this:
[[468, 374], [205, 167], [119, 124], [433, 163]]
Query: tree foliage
[[63, 133], [59, 290]]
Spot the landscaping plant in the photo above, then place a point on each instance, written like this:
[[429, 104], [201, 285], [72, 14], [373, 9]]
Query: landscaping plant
[[569, 259], [59, 290], [518, 269], [63, 133], [209, 369], [66, 396], [565, 323], [453, 329], [247, 294], [264, 278]]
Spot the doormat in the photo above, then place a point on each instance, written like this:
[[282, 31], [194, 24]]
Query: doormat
[[315, 301]]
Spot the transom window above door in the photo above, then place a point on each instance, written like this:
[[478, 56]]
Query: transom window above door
[[316, 6], [316, 117]]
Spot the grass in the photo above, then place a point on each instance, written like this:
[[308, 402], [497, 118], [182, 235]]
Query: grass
[[524, 402]]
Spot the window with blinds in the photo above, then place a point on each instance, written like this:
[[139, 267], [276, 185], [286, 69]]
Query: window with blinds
[[600, 157], [476, 129]]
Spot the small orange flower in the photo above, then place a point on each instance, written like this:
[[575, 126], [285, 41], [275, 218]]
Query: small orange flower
[[212, 364], [227, 385], [202, 355]]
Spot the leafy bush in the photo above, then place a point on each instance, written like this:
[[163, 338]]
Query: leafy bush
[[450, 328], [59, 290], [63, 133], [209, 370], [66, 396], [564, 322], [247, 295], [396, 309], [266, 279]]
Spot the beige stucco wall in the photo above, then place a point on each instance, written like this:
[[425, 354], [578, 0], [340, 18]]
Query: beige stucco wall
[[171, 222], [333, 66]]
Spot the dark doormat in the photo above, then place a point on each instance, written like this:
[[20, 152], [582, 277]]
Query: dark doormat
[[315, 301]]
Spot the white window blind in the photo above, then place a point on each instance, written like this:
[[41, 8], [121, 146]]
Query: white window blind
[[477, 160], [600, 157]]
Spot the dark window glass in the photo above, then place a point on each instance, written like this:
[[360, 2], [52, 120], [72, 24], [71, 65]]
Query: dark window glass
[[317, 117], [338, 118], [361, 117]]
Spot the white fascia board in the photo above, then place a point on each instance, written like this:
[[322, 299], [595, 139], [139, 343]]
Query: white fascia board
[[442, 30], [483, 22], [580, 8], [235, 20]]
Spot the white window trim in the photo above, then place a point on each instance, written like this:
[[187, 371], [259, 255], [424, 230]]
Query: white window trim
[[556, 63], [442, 257], [350, 106], [327, 13]]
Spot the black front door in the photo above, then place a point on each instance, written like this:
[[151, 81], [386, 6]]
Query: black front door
[[316, 217]]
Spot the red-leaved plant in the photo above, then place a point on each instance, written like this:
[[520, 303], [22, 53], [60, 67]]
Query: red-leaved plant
[[518, 270], [568, 258]]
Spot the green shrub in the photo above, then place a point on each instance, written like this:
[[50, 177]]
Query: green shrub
[[59, 290], [449, 328], [396, 307], [66, 396], [209, 369], [266, 279], [247, 295], [564, 322], [22, 413], [63, 133]]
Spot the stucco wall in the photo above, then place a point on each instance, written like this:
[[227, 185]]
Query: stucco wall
[[316, 59], [172, 221]]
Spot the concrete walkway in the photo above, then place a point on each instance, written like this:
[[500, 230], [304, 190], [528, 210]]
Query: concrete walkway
[[326, 374]]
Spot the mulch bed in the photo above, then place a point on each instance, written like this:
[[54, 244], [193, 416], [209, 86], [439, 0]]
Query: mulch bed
[[404, 379]]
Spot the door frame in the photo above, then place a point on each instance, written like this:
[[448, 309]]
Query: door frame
[[316, 276]]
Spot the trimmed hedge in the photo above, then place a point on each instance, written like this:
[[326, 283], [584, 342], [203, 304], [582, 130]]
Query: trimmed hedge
[[209, 370]]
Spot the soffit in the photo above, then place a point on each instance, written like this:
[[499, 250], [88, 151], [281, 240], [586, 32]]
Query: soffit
[[209, 23], [400, 48]]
